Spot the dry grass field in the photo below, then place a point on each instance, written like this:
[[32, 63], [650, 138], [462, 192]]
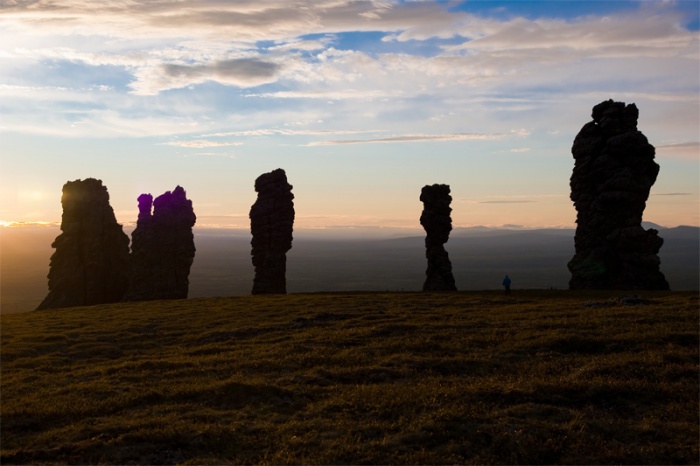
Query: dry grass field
[[539, 377]]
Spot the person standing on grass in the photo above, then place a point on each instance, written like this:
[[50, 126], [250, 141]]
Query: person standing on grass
[[506, 284]]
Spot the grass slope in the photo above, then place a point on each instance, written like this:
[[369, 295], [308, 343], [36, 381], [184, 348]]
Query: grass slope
[[468, 377]]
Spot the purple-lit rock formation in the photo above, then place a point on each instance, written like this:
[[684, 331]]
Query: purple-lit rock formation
[[162, 247], [91, 261], [437, 223], [613, 173], [271, 223]]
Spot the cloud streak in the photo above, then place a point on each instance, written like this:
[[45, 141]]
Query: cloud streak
[[681, 150], [507, 201], [422, 138], [200, 144], [695, 145], [344, 94], [291, 132], [672, 194]]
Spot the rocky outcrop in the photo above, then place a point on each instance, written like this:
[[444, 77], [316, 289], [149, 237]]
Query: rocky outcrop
[[613, 173], [91, 261], [162, 247], [437, 223], [271, 223]]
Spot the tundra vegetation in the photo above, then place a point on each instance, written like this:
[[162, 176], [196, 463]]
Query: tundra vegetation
[[405, 378]]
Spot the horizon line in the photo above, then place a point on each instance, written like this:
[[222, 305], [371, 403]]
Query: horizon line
[[344, 228]]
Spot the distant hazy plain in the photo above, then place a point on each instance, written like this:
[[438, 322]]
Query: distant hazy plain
[[318, 261]]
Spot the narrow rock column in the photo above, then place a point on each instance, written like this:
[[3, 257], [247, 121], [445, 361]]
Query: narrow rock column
[[91, 261], [437, 223], [271, 224], [162, 250], [142, 258], [613, 173]]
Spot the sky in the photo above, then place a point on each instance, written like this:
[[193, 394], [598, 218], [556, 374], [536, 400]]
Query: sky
[[361, 102]]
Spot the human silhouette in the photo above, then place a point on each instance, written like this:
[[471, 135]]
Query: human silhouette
[[506, 284]]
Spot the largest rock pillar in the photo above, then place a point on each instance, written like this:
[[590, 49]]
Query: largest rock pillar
[[613, 173]]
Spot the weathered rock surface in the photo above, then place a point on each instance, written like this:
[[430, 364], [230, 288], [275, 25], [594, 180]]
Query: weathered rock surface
[[437, 223], [162, 249], [613, 173], [271, 223], [91, 261]]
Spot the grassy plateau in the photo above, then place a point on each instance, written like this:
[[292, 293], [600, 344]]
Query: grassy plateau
[[356, 378]]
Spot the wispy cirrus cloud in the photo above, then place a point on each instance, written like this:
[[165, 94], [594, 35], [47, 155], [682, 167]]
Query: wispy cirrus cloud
[[422, 138], [680, 150], [507, 201], [239, 21], [695, 145], [650, 31], [515, 199], [292, 132], [672, 194], [211, 154], [339, 94], [200, 144]]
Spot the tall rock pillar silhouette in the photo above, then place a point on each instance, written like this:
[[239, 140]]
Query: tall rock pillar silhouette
[[613, 173], [91, 261], [162, 247], [437, 223], [271, 224]]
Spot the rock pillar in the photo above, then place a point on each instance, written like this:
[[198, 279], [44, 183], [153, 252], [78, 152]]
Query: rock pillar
[[162, 249], [613, 173], [271, 224], [91, 261], [437, 223]]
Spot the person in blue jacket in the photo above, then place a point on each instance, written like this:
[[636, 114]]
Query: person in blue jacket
[[506, 284]]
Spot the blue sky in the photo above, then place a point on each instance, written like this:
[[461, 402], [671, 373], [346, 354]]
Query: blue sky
[[362, 103]]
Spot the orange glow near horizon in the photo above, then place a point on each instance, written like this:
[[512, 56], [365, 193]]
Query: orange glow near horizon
[[528, 212]]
